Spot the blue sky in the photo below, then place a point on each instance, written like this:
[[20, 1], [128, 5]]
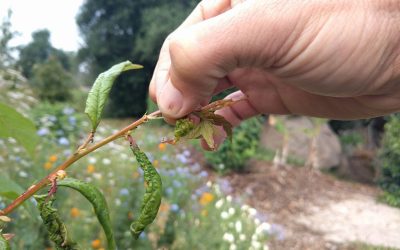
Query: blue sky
[[57, 16]]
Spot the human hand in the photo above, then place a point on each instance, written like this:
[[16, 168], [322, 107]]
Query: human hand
[[333, 59]]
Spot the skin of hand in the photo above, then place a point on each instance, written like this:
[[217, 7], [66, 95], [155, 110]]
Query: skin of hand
[[333, 59]]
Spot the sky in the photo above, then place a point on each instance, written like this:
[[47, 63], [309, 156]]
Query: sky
[[58, 16]]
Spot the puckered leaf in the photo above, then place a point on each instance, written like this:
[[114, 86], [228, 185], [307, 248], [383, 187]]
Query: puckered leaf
[[99, 203], [98, 95], [15, 125], [55, 226]]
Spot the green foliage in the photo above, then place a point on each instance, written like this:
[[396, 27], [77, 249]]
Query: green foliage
[[233, 155], [39, 51], [114, 31], [390, 160], [55, 227], [15, 125], [4, 245], [98, 95], [99, 203]]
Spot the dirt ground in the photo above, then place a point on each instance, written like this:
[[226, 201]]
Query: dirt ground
[[315, 210]]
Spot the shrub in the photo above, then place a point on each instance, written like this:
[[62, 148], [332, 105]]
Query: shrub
[[390, 161], [51, 82], [233, 155]]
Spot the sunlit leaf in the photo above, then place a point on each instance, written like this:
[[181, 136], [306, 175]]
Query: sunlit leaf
[[99, 203], [15, 125], [101, 88]]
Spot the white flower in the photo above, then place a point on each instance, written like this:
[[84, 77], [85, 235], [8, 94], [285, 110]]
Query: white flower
[[224, 215], [97, 176], [118, 202], [252, 211], [106, 161], [263, 228], [232, 247], [209, 184], [265, 247], [219, 203], [23, 174], [242, 237], [256, 244], [245, 207], [92, 160], [229, 198], [238, 226], [228, 237], [231, 211]]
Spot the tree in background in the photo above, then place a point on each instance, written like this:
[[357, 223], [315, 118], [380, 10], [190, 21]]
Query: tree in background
[[51, 82], [6, 35], [121, 30], [39, 51]]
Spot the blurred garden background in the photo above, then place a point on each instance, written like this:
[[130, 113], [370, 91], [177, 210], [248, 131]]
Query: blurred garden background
[[281, 183]]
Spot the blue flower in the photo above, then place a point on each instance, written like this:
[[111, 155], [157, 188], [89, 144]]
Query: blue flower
[[177, 183], [63, 141], [203, 174], [72, 120], [124, 191], [174, 208], [169, 190], [43, 131], [68, 111]]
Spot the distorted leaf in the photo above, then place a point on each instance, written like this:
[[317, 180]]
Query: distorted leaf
[[55, 227], [182, 128], [98, 95], [99, 203], [152, 197], [15, 125]]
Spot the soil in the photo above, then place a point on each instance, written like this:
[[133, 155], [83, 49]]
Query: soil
[[316, 210]]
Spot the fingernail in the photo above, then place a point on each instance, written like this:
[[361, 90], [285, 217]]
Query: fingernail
[[170, 100]]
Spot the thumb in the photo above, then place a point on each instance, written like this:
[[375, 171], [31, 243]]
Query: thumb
[[203, 54]]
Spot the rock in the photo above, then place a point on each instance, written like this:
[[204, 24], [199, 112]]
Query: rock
[[325, 146]]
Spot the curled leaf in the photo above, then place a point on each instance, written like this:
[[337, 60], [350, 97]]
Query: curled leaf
[[54, 225], [99, 203], [101, 88], [152, 197]]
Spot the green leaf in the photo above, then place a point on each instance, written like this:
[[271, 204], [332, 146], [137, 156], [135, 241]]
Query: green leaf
[[54, 225], [4, 245], [15, 125], [206, 130], [99, 203], [11, 190], [98, 95]]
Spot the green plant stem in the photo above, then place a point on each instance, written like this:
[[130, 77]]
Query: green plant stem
[[81, 152]]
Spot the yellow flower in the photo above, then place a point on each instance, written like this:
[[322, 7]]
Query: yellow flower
[[206, 198], [96, 244], [75, 212], [48, 165], [155, 163], [90, 169], [162, 146], [53, 158], [136, 175], [204, 212], [164, 207]]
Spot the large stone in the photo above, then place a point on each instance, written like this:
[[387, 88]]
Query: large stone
[[301, 136]]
